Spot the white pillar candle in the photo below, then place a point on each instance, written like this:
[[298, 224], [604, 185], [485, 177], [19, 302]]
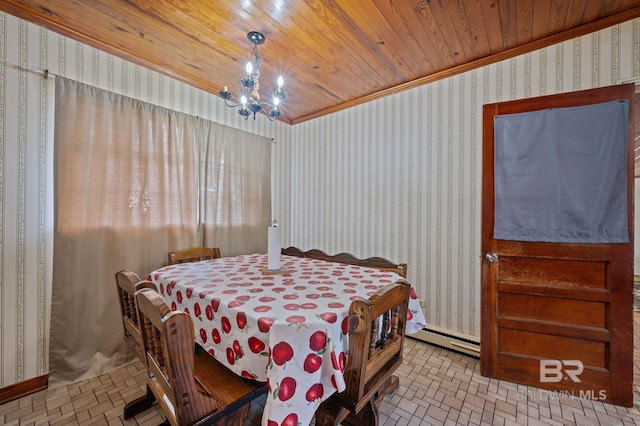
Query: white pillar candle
[[274, 247]]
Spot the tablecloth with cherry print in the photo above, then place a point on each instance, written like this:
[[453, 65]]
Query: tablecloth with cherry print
[[287, 329]]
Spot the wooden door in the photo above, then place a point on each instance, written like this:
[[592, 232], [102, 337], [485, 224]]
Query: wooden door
[[557, 316]]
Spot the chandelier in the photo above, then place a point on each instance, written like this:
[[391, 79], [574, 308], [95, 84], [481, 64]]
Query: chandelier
[[250, 99]]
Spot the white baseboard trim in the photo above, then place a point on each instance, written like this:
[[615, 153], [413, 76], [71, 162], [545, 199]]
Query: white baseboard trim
[[449, 340]]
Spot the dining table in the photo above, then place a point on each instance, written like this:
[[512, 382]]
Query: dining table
[[288, 327]]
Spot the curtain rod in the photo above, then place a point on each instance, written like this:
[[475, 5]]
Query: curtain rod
[[45, 75]]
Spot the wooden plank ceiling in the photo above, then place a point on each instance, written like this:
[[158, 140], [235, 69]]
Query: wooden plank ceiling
[[333, 54]]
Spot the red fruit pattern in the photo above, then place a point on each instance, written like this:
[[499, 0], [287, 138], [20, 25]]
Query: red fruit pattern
[[237, 349], [256, 345], [226, 325], [215, 335], [281, 353], [290, 420], [215, 304], [235, 304], [316, 391], [289, 330], [287, 388], [231, 356], [241, 320], [296, 319], [318, 341], [334, 361], [329, 317], [264, 324], [312, 363], [345, 325]]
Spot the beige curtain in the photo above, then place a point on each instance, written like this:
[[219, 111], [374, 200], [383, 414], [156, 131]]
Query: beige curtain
[[235, 166], [127, 189]]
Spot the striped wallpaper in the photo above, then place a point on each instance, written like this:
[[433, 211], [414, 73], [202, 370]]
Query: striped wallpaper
[[398, 177]]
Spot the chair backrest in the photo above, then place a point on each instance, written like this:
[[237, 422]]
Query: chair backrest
[[127, 284], [292, 251], [376, 339], [193, 254], [168, 342], [371, 262]]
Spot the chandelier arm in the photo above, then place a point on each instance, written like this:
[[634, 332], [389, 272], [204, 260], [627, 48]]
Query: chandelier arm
[[230, 105]]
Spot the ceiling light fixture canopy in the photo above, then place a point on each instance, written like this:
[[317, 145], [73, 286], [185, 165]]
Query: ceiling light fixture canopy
[[250, 99]]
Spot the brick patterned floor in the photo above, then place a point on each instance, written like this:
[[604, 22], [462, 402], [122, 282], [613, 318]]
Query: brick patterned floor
[[437, 387]]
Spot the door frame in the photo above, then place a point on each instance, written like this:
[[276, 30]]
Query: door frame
[[621, 364]]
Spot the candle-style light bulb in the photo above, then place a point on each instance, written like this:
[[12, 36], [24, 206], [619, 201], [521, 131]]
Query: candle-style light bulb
[[225, 89], [280, 83], [276, 101], [249, 68], [243, 100]]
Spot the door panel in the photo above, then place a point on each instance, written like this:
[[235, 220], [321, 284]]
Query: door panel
[[555, 315]]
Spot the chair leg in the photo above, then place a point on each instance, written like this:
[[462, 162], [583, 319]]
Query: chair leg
[[389, 386], [139, 405], [368, 416], [330, 413]]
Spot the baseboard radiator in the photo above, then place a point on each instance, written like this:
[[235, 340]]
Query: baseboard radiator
[[449, 340]]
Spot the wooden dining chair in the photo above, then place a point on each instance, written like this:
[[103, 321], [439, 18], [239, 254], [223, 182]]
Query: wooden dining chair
[[190, 388], [292, 251], [370, 262], [376, 340], [127, 284], [193, 254]]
